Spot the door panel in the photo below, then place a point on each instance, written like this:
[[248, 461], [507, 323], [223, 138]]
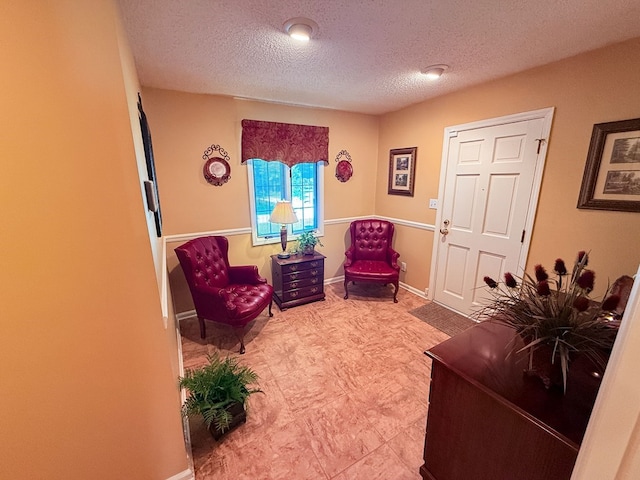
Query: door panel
[[488, 184]]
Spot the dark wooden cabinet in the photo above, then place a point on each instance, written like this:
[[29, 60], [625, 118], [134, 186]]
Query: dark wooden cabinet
[[298, 279], [489, 421]]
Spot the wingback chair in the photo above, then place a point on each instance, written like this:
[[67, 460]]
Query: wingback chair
[[222, 293], [370, 257]]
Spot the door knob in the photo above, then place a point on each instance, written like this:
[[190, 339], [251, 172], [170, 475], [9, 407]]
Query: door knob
[[445, 230]]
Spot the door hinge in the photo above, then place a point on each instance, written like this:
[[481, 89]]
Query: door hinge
[[540, 142], [522, 237], [453, 134]]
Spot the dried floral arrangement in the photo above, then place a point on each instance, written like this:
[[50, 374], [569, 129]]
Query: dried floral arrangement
[[555, 313]]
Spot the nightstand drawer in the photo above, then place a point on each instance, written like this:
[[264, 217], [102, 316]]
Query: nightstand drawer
[[304, 282], [299, 267], [302, 292], [294, 276]]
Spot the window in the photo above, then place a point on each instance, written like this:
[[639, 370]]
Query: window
[[270, 182]]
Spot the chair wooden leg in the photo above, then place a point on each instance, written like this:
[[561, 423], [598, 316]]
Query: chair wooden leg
[[270, 305], [395, 294], [346, 289], [240, 334], [203, 329]]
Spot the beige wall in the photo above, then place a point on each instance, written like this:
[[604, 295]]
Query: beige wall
[[87, 385], [599, 86], [183, 125]]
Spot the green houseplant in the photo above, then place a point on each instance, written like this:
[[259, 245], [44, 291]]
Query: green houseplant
[[307, 242], [555, 317], [217, 392]]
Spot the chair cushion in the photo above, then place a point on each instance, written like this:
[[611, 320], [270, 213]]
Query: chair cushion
[[244, 302], [371, 270]]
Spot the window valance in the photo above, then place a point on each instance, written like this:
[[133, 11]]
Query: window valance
[[284, 142]]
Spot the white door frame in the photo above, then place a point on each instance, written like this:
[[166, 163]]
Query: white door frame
[[547, 115]]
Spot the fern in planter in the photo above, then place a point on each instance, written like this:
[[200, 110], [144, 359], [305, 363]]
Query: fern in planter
[[214, 388]]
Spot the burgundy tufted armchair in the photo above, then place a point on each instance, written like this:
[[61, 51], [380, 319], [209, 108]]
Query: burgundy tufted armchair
[[370, 257], [221, 293]]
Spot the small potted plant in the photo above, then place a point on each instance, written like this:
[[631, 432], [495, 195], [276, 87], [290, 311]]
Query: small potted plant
[[307, 242], [217, 392]]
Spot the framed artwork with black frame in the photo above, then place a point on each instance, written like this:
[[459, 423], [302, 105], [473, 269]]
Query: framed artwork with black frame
[[611, 179], [402, 169], [151, 190]]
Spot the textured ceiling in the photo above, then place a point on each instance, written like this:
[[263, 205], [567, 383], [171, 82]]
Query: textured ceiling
[[367, 54]]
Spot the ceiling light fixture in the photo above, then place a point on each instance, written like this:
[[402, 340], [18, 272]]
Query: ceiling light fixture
[[434, 72], [300, 28]]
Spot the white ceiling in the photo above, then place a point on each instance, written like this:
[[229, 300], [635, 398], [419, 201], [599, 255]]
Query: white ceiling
[[367, 54]]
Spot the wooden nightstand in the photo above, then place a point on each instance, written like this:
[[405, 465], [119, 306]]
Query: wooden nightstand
[[298, 279]]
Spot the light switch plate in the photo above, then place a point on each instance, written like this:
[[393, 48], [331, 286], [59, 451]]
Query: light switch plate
[[433, 203]]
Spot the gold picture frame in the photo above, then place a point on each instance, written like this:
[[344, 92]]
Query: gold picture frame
[[611, 179], [402, 170]]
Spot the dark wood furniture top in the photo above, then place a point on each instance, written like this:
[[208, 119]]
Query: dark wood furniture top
[[298, 279], [487, 418]]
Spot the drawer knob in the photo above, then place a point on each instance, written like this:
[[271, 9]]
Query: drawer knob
[[314, 290], [294, 294], [314, 272], [294, 285], [293, 268]]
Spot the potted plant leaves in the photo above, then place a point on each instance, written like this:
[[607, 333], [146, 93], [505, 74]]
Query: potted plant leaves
[[307, 242], [555, 317], [217, 392]]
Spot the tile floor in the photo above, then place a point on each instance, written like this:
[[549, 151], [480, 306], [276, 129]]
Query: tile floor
[[345, 384]]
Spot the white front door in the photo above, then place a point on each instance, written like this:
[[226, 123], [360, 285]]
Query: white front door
[[488, 194]]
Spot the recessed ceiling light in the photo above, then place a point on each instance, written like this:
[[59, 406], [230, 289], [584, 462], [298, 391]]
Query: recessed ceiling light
[[300, 28], [434, 72]]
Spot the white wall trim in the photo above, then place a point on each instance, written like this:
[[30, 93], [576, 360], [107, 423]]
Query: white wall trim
[[408, 223], [328, 281], [184, 475], [183, 237], [413, 290]]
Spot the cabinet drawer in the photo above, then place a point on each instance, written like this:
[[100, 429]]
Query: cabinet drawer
[[302, 274], [298, 267], [302, 292], [303, 282]]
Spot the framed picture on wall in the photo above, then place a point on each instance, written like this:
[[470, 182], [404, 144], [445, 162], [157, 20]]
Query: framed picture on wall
[[611, 179], [151, 189], [402, 168]]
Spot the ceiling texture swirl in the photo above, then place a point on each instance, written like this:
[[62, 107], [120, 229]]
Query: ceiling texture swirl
[[367, 55]]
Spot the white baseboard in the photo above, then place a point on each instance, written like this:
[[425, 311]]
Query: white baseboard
[[413, 290], [184, 475], [340, 279]]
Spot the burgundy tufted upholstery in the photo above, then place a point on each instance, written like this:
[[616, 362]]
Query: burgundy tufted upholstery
[[370, 258], [222, 293]]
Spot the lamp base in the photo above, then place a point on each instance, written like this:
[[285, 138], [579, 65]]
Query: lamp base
[[284, 255]]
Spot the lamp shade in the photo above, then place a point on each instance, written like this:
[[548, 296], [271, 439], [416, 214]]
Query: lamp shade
[[283, 213]]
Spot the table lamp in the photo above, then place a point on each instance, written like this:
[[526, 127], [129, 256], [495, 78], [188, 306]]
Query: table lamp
[[283, 214]]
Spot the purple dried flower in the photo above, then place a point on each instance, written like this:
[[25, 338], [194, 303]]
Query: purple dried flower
[[581, 303], [611, 303], [560, 268], [543, 288], [491, 282], [583, 255], [510, 281], [541, 273], [586, 280]]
